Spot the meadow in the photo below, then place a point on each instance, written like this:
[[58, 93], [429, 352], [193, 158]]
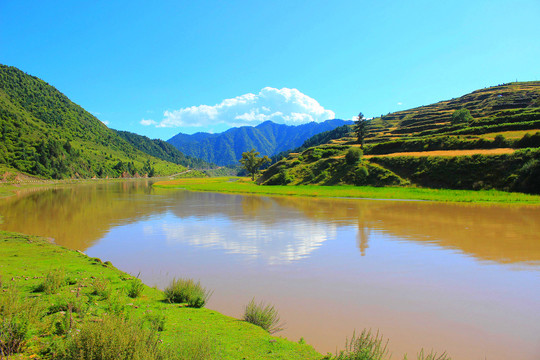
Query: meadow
[[246, 186]]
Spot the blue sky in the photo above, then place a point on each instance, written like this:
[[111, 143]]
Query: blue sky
[[184, 66]]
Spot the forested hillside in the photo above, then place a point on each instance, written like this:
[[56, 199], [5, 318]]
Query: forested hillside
[[268, 138], [44, 133], [163, 150]]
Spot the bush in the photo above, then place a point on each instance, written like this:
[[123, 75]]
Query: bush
[[353, 155], [53, 282], [135, 288], [16, 316], [187, 291], [367, 346], [156, 320], [461, 116], [114, 338], [101, 288], [13, 334], [431, 356], [265, 316]]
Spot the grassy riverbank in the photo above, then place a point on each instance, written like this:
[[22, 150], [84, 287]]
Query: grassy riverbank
[[91, 292], [245, 186]]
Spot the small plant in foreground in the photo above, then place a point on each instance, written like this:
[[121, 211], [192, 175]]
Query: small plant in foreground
[[367, 346], [53, 282], [135, 288], [114, 338], [16, 316], [156, 320], [101, 288], [431, 356], [263, 315], [187, 291]]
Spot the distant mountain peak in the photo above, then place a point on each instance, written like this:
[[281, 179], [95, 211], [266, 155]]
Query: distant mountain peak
[[268, 138]]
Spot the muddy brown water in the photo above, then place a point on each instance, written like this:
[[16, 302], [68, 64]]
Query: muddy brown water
[[460, 278]]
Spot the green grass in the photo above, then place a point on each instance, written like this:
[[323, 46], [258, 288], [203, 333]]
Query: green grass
[[187, 333], [245, 186]]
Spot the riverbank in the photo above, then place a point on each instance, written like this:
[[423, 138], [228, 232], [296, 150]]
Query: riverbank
[[246, 186], [91, 291]]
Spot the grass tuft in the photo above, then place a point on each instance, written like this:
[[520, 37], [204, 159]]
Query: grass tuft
[[187, 291], [263, 315], [135, 288], [367, 346], [53, 282], [102, 288], [431, 356]]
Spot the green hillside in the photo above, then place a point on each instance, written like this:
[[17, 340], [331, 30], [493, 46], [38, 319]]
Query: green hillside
[[477, 151], [45, 134], [163, 150]]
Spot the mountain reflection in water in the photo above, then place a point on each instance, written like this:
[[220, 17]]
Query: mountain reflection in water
[[79, 216]]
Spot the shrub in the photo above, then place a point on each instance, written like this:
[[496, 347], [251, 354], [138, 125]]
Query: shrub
[[13, 334], [187, 291], [114, 338], [156, 320], [353, 155], [16, 315], [135, 288], [316, 154], [53, 282], [431, 356], [367, 346], [461, 116], [265, 316], [101, 288]]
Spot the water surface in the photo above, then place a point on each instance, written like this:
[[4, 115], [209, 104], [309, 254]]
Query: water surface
[[460, 278]]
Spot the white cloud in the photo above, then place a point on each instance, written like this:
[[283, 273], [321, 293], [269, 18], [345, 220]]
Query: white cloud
[[105, 122], [284, 106], [400, 103], [148, 122]]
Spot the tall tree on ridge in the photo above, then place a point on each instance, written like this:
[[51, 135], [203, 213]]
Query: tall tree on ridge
[[360, 129]]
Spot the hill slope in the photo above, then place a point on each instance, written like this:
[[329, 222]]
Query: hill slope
[[162, 150], [503, 118], [44, 133], [268, 138]]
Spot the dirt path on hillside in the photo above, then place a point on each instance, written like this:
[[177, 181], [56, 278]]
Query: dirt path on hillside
[[498, 151]]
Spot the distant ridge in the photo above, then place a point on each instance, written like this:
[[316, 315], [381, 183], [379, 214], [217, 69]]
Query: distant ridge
[[268, 138], [162, 150]]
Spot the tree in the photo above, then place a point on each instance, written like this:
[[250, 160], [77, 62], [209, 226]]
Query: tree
[[252, 162], [360, 129], [461, 116]]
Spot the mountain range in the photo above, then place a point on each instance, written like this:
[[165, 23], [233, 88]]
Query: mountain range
[[268, 138]]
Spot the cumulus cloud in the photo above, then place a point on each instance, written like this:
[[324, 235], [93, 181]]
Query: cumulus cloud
[[148, 122], [400, 103], [105, 122], [285, 106]]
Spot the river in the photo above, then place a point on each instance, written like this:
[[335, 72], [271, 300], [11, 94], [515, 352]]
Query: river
[[460, 278]]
